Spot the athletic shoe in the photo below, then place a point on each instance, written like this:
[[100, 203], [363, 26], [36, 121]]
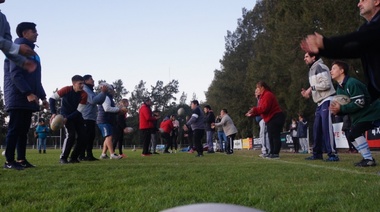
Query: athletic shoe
[[166, 152], [199, 155], [115, 156], [263, 155], [75, 160], [156, 153], [92, 158], [26, 164], [13, 165], [145, 155], [314, 158], [63, 161], [366, 163], [273, 156], [104, 156], [332, 158], [229, 153]]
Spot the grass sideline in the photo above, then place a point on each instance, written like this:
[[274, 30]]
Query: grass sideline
[[164, 181]]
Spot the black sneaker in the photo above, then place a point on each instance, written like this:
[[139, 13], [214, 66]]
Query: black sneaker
[[13, 165], [91, 158], [273, 156], [26, 164], [74, 160], [200, 155], [314, 158], [63, 161], [366, 163]]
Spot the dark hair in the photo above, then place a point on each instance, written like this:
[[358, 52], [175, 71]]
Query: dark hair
[[21, 27], [343, 65], [208, 107], [224, 110], [263, 84], [195, 102], [87, 77], [314, 55], [76, 78], [41, 120]]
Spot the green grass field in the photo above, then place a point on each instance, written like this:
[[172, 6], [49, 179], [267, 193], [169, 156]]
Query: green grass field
[[167, 180]]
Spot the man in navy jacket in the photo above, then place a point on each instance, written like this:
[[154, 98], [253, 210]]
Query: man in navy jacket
[[22, 92]]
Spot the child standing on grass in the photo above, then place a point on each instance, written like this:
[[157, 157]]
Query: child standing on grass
[[42, 131]]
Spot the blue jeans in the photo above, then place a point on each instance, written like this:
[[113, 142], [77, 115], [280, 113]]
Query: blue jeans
[[42, 143], [222, 138]]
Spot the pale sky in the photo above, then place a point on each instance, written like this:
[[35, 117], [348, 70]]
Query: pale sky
[[147, 40]]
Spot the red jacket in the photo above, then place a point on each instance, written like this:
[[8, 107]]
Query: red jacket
[[167, 126], [146, 119], [267, 108]]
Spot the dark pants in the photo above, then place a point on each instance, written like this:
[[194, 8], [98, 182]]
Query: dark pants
[[145, 136], [274, 128], [296, 143], [359, 129], [197, 138], [18, 128], [74, 135], [89, 132], [168, 141], [117, 139], [230, 144]]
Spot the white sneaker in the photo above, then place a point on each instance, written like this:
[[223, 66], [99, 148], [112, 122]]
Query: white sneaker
[[103, 156], [115, 156]]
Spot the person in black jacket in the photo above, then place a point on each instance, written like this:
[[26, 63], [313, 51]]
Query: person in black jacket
[[209, 120], [22, 92], [362, 44], [118, 132]]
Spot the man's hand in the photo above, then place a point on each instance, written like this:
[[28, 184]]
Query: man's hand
[[334, 107], [45, 104], [33, 98], [26, 50], [312, 43], [29, 65], [104, 88], [306, 93]]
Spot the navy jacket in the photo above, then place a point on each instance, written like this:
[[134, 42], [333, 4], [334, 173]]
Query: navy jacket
[[18, 83]]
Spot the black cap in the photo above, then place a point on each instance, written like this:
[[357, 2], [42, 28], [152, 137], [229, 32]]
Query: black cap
[[21, 27]]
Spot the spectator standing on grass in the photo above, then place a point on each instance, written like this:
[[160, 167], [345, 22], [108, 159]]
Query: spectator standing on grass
[[42, 130], [106, 120], [302, 134], [364, 113], [229, 128], [89, 114], [188, 134], [274, 118], [209, 120], [293, 134], [121, 124], [146, 125], [321, 90], [154, 135], [22, 92], [174, 135], [263, 134], [222, 138], [74, 99], [196, 122]]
